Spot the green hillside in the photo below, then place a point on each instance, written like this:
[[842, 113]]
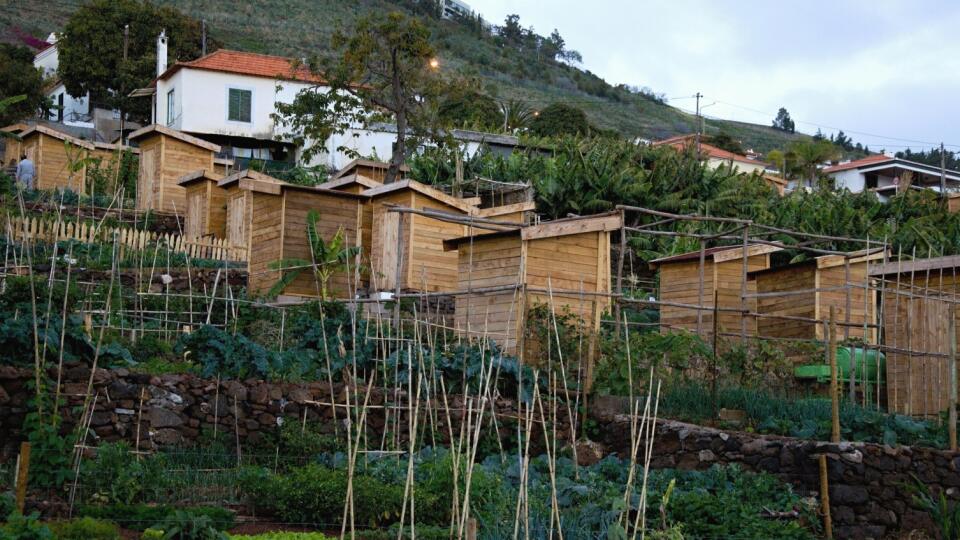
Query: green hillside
[[303, 28]]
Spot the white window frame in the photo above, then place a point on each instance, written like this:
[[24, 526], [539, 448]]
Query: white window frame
[[171, 106], [226, 112]]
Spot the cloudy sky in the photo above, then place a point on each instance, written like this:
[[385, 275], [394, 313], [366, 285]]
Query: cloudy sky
[[886, 72]]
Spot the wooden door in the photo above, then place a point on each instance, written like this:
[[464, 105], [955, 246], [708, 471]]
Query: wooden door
[[146, 192], [386, 225], [236, 221], [196, 215]]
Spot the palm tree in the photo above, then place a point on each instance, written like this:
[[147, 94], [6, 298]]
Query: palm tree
[[516, 115], [810, 154], [328, 258]]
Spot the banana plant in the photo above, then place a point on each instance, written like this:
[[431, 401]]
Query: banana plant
[[328, 258]]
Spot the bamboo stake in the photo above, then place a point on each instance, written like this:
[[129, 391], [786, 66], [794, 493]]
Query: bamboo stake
[[825, 498]]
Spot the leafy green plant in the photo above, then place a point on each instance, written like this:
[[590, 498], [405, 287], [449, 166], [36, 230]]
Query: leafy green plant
[[184, 525], [285, 535], [29, 527], [141, 517], [327, 258], [86, 528], [945, 515]]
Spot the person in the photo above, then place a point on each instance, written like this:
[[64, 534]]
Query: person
[[25, 172]]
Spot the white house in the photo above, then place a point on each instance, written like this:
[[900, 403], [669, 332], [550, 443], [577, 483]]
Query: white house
[[69, 110], [885, 175], [456, 8]]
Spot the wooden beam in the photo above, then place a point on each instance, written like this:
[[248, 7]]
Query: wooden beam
[[564, 227]]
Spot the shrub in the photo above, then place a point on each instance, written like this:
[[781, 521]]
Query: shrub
[[141, 517], [86, 528], [315, 494], [285, 535], [20, 527]]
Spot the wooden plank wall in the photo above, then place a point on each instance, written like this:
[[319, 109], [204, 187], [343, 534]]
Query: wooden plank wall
[[794, 278], [836, 276], [237, 216], [335, 212], [195, 219], [178, 158], [148, 175], [430, 268], [216, 210], [917, 320], [680, 283], [383, 243], [490, 263], [54, 170], [265, 230]]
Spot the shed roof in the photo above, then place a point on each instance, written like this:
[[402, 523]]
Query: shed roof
[[262, 183], [562, 227], [170, 132], [57, 135], [718, 254], [359, 162], [352, 179], [423, 189], [916, 265], [197, 176]]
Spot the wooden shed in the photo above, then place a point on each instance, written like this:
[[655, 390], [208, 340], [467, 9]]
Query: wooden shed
[[52, 153], [237, 190], [223, 166], [373, 170], [165, 156], [274, 218], [13, 148], [507, 273], [521, 213], [722, 274], [352, 183], [915, 304], [206, 209], [809, 289], [424, 264]]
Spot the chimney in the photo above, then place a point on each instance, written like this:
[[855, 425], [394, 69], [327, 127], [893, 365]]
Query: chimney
[[161, 52]]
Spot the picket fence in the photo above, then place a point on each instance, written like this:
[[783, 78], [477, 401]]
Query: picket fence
[[34, 228]]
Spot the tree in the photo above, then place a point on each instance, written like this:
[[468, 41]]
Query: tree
[[725, 141], [469, 108], [560, 119], [18, 77], [808, 155], [383, 65], [783, 121], [91, 50], [511, 30], [516, 115]]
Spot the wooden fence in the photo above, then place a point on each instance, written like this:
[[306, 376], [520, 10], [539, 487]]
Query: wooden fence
[[34, 228]]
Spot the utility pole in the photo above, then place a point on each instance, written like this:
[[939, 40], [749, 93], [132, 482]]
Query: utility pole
[[943, 173], [203, 37], [698, 96]]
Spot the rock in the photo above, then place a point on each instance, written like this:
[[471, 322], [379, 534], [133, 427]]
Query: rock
[[166, 436], [4, 396], [127, 412], [846, 494], [754, 446], [235, 390], [300, 395], [120, 389], [267, 419], [707, 456], [101, 418], [589, 452], [842, 514], [163, 418], [853, 457]]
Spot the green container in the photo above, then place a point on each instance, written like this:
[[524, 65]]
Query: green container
[[875, 360]]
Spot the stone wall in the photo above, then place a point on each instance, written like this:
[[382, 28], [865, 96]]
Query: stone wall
[[867, 481]]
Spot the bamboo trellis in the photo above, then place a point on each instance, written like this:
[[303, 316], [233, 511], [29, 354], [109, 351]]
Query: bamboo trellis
[[35, 228]]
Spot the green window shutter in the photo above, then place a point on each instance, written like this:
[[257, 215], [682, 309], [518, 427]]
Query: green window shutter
[[245, 105], [239, 105]]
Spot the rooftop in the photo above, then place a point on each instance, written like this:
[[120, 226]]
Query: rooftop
[[682, 142], [247, 63]]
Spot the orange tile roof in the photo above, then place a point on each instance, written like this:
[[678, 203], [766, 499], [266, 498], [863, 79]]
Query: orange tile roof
[[856, 164], [681, 142], [246, 63]]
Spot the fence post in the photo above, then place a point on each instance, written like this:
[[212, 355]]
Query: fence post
[[23, 472], [834, 376], [952, 426], [471, 529], [825, 498]]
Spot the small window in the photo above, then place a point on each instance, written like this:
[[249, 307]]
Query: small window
[[171, 106], [238, 106]]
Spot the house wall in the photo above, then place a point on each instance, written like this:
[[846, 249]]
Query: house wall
[[335, 213], [201, 99], [741, 166], [850, 179], [265, 230]]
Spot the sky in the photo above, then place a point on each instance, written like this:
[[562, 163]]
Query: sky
[[887, 73]]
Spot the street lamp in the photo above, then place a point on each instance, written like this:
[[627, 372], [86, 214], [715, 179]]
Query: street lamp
[[434, 63]]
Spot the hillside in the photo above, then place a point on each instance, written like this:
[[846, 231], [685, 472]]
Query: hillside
[[303, 27]]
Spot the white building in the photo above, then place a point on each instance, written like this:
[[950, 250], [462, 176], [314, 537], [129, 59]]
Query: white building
[[886, 175], [229, 98], [456, 8], [69, 109]]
